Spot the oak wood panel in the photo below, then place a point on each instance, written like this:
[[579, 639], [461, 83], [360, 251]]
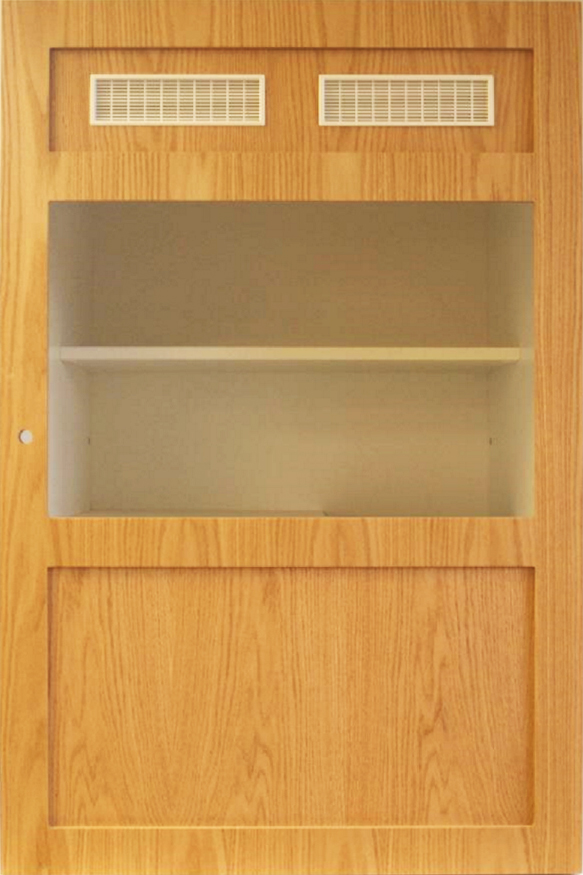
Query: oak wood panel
[[284, 542], [401, 850], [291, 177], [558, 450], [31, 29], [290, 698], [279, 24], [23, 704], [291, 101]]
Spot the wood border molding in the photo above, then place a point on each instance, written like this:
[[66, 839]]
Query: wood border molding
[[558, 453], [279, 23]]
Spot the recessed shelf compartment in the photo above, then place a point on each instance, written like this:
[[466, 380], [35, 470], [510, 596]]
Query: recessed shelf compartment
[[101, 358], [293, 359]]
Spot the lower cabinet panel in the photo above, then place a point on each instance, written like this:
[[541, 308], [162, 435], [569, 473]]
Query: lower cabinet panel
[[293, 697]]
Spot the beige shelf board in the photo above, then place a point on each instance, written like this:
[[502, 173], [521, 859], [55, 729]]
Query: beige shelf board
[[102, 358], [192, 512]]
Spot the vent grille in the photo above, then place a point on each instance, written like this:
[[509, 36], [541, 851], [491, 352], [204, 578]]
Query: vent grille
[[450, 101], [177, 100]]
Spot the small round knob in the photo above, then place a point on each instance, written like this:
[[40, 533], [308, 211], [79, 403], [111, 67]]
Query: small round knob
[[25, 436]]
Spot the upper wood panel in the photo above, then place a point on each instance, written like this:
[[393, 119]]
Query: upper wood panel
[[277, 23], [290, 698], [292, 101]]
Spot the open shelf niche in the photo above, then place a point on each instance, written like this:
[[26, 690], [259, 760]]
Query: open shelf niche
[[290, 359]]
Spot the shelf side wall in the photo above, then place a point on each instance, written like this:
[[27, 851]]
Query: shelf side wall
[[511, 390]]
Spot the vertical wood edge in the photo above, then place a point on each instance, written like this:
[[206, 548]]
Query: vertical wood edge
[[23, 646], [558, 598]]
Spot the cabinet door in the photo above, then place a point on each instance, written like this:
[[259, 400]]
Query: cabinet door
[[295, 694]]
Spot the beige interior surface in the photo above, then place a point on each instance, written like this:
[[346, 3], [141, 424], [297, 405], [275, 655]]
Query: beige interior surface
[[376, 438], [289, 275], [287, 358], [511, 394], [70, 282], [328, 697], [347, 444]]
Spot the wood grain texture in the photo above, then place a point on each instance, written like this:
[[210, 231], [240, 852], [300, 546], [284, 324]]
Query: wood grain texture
[[291, 101], [291, 177], [298, 543], [290, 698], [313, 851], [32, 176], [278, 24], [23, 765], [558, 451]]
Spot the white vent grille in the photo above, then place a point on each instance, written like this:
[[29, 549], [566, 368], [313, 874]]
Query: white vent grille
[[177, 100], [450, 101]]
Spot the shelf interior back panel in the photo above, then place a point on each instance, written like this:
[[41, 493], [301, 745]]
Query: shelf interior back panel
[[292, 100], [349, 444], [288, 275]]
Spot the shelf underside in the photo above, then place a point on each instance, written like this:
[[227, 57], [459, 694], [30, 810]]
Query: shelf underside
[[194, 512], [251, 514], [247, 357]]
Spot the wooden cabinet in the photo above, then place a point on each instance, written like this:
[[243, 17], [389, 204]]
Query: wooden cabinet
[[291, 420]]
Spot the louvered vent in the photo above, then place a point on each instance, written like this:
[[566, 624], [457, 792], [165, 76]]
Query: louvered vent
[[450, 101], [178, 100]]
